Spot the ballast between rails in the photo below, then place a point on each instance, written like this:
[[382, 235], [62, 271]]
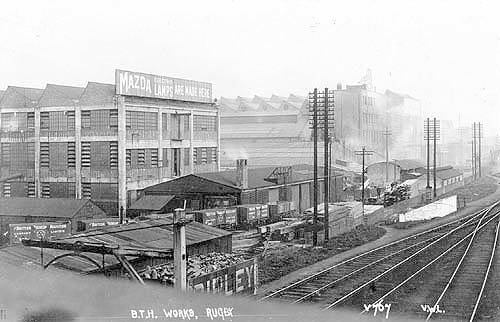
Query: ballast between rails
[[467, 219], [480, 226], [396, 266]]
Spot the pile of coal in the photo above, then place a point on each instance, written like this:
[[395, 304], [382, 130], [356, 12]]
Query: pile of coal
[[197, 265]]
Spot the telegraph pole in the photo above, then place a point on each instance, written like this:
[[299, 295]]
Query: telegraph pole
[[431, 132], [427, 137], [363, 153], [479, 152], [321, 108], [474, 155], [315, 134], [387, 133], [435, 138], [326, 164]]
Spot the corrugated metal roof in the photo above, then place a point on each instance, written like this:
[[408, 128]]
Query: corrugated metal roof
[[15, 97], [448, 173], [41, 207], [408, 164], [59, 95], [151, 202], [150, 234], [405, 164], [256, 176]]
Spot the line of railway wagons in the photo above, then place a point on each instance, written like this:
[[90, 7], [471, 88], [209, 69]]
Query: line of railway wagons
[[244, 216]]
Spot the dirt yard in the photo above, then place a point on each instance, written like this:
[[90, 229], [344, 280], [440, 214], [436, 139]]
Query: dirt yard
[[285, 259]]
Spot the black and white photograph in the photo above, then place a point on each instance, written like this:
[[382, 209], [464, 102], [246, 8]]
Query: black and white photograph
[[249, 160]]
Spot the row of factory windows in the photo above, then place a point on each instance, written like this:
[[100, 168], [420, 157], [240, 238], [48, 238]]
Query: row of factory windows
[[96, 191], [96, 155], [101, 120]]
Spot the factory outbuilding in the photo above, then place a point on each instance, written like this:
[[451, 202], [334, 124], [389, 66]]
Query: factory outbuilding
[[384, 173], [34, 210], [247, 186], [144, 235]]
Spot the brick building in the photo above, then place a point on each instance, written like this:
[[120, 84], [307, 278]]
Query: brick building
[[106, 141]]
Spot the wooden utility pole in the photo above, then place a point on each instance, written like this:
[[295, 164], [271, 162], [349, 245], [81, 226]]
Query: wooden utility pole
[[326, 169], [427, 137], [474, 154], [321, 104], [363, 153], [431, 132], [387, 133], [434, 137], [479, 152], [180, 260], [315, 135]]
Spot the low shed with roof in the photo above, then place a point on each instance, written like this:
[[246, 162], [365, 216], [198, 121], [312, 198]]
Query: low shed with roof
[[144, 235], [383, 173], [32, 210]]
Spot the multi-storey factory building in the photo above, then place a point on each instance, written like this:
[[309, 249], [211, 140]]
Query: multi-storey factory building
[[106, 142]]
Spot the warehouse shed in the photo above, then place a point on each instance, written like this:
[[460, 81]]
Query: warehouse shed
[[31, 210], [247, 186], [148, 234]]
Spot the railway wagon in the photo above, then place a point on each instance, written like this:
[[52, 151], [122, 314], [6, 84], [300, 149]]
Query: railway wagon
[[230, 217], [247, 216], [206, 217], [281, 209]]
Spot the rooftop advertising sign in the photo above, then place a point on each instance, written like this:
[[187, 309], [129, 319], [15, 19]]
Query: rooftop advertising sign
[[147, 85]]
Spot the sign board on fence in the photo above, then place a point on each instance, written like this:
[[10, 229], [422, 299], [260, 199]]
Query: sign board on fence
[[240, 278], [154, 86], [42, 230]]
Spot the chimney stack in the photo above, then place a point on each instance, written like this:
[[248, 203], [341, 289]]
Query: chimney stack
[[242, 173]]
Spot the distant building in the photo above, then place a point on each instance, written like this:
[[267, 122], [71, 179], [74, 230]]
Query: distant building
[[106, 141], [276, 130], [405, 122], [447, 178], [360, 118], [382, 173], [266, 131]]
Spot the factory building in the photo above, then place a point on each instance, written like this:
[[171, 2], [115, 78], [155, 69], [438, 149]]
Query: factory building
[[277, 128], [106, 141]]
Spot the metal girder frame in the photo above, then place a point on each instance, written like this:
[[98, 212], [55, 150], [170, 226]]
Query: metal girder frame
[[119, 252]]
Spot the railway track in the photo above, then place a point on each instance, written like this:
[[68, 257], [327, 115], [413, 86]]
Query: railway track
[[387, 273]]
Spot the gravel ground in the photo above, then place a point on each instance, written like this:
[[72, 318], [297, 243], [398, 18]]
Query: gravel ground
[[391, 234]]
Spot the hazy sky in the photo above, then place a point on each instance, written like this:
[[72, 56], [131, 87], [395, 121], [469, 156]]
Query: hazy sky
[[446, 53]]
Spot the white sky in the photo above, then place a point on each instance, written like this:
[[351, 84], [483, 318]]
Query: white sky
[[446, 53]]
